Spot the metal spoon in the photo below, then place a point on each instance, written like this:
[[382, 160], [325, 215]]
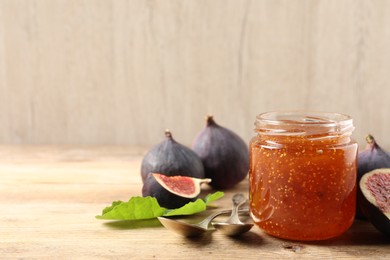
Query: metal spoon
[[191, 230], [233, 226]]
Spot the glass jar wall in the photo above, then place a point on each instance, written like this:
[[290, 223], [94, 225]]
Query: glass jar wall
[[303, 174]]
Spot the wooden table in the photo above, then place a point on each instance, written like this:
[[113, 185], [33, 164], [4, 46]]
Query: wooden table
[[49, 197]]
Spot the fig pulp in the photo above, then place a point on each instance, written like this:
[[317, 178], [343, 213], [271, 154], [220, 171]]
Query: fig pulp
[[164, 197], [169, 158], [374, 198], [373, 157], [182, 186], [224, 154]]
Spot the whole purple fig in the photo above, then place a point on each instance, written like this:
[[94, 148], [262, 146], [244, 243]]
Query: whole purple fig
[[372, 158], [224, 154], [169, 158]]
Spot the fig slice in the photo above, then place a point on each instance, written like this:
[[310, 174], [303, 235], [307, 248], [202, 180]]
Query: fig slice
[[374, 198], [182, 186]]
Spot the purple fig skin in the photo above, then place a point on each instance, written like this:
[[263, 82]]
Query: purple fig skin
[[172, 158], [373, 157], [169, 158], [224, 154]]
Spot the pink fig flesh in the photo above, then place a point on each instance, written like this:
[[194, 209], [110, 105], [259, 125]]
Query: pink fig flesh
[[374, 198]]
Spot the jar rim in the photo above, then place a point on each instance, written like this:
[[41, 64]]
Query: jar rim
[[303, 123]]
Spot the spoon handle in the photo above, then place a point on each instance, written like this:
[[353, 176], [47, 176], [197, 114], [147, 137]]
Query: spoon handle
[[206, 222], [238, 200]]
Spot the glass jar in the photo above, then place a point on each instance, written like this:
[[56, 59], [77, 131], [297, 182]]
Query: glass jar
[[303, 174]]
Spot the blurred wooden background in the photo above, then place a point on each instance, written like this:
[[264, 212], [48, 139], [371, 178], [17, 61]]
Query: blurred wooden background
[[121, 71]]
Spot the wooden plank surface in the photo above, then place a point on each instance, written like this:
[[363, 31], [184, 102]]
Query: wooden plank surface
[[49, 197], [121, 71]]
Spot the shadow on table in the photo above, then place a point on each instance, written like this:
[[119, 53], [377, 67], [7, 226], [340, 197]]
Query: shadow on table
[[246, 239], [361, 233]]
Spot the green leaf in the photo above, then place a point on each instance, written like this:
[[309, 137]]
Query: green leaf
[[136, 208], [114, 204], [140, 208], [213, 197], [189, 209]]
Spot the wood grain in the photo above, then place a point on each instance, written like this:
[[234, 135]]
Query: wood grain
[[120, 72], [49, 196]]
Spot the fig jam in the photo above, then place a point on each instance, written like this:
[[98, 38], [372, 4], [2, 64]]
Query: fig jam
[[303, 175]]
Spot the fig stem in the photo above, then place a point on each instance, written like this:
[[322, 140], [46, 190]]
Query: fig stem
[[168, 133], [370, 139], [210, 120]]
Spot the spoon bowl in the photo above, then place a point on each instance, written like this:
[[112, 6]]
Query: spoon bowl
[[231, 229], [234, 226], [191, 230]]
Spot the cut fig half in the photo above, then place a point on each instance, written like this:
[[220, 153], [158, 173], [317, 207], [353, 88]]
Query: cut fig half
[[374, 198], [182, 186]]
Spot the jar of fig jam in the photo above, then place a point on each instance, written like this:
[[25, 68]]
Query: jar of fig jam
[[303, 174]]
